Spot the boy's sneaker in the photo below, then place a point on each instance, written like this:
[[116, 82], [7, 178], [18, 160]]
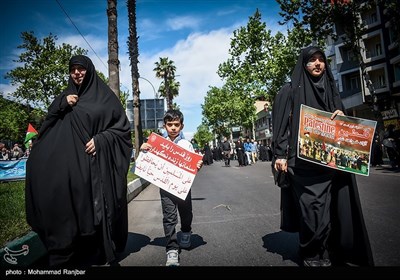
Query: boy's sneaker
[[185, 240], [172, 258]]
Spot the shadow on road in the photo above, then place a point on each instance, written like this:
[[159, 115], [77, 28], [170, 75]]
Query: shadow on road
[[134, 243], [196, 241], [283, 243]]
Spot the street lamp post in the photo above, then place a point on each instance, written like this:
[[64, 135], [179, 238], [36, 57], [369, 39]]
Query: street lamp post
[[155, 92]]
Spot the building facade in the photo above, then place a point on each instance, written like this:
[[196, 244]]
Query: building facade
[[374, 94], [151, 113]]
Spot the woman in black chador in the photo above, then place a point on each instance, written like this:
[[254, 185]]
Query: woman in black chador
[[321, 203], [76, 173]]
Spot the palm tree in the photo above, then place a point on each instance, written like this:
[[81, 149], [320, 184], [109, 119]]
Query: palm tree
[[113, 61], [165, 69], [133, 51], [173, 86]]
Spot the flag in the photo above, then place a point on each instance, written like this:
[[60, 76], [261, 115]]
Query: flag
[[30, 133]]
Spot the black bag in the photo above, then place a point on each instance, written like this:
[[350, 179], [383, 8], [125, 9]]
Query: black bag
[[281, 178]]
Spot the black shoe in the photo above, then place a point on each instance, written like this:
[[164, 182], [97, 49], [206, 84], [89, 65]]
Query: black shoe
[[311, 263], [325, 262]]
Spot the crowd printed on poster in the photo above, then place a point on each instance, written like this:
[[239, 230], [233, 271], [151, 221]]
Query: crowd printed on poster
[[168, 166], [342, 143]]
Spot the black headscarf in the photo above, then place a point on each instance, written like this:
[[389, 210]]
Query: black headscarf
[[68, 192], [319, 93]]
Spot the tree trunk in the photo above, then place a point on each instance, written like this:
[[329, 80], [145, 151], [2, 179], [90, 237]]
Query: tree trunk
[[133, 56], [113, 61]]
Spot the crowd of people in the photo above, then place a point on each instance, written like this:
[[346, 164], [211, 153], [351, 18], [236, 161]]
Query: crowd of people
[[245, 152], [14, 153]]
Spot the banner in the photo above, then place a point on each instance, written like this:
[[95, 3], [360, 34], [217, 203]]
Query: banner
[[168, 166], [342, 143], [12, 169]]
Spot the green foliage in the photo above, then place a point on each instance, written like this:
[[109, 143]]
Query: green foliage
[[203, 135], [12, 211], [14, 120], [131, 176], [318, 19], [43, 73], [223, 109], [392, 9], [169, 88], [123, 97]]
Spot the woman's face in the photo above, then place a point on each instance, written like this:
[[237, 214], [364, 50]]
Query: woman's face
[[78, 73], [316, 64]]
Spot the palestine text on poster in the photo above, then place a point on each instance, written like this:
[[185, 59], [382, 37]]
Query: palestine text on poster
[[168, 166], [342, 143]]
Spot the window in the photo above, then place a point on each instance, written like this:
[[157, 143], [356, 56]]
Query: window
[[355, 83], [397, 71], [351, 56], [381, 81], [378, 49], [373, 18]]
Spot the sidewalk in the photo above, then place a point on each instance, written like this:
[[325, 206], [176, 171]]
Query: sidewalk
[[28, 249]]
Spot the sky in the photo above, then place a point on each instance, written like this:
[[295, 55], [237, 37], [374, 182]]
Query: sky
[[194, 34]]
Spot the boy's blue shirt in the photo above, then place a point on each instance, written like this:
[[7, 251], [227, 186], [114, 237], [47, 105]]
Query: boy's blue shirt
[[181, 141]]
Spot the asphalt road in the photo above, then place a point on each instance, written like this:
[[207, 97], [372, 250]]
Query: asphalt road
[[236, 220]]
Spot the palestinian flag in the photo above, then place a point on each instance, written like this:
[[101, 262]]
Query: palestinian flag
[[30, 133]]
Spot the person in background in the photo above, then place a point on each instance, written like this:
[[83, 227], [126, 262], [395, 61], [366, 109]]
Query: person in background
[[254, 150], [376, 152], [195, 145], [247, 150], [76, 173], [207, 155], [241, 156], [5, 154], [321, 204], [226, 151], [16, 152], [170, 204], [391, 140]]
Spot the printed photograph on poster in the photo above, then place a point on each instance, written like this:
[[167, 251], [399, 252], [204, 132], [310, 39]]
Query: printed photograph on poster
[[342, 143], [168, 166]]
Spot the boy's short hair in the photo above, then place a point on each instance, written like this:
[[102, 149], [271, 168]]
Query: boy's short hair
[[173, 115]]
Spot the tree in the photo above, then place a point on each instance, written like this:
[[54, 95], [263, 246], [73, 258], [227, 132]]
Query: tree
[[44, 72], [258, 67], [165, 69], [14, 120], [133, 51], [173, 89], [392, 10], [203, 135], [113, 61], [223, 109]]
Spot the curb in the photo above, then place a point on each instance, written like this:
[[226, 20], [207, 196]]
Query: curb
[[29, 249], [135, 187]]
